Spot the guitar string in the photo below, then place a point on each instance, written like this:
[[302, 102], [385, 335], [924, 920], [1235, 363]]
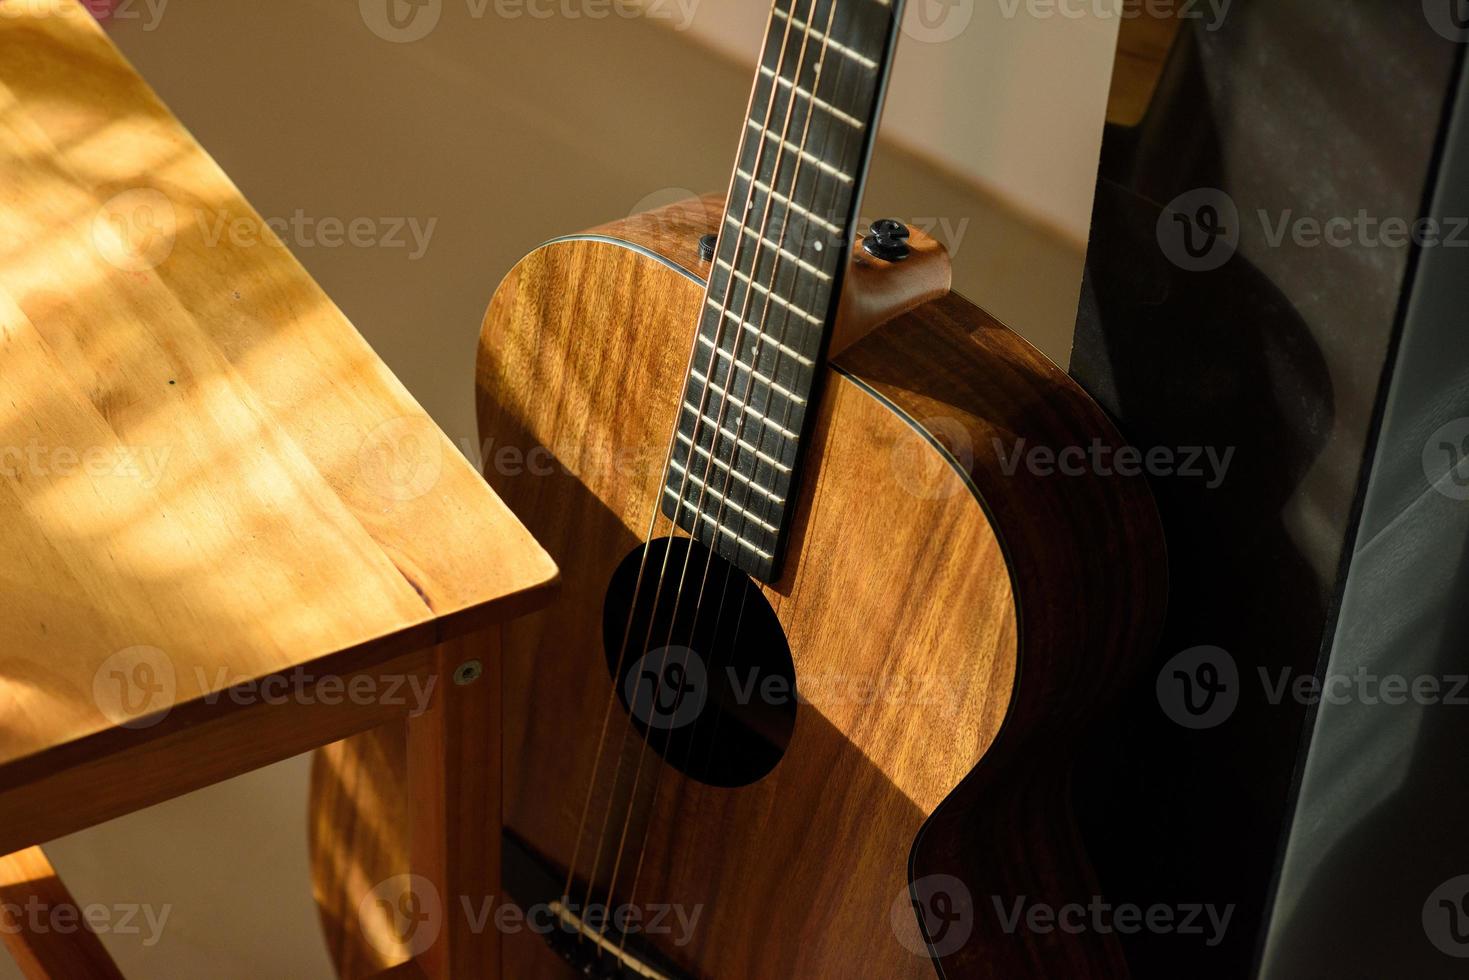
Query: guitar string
[[657, 516], [709, 377], [780, 341], [843, 249], [744, 413], [658, 590]]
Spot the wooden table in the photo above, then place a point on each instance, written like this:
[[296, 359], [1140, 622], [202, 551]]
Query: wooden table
[[228, 535]]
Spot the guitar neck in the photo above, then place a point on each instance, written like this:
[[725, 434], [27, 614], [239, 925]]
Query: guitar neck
[[775, 281]]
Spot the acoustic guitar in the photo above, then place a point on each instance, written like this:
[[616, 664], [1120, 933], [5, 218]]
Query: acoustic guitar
[[838, 596]]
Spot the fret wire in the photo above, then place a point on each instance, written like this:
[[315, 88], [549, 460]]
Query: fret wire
[[750, 481], [831, 43], [706, 488], [819, 103], [780, 346], [779, 300], [786, 201], [739, 440], [738, 242], [779, 429], [784, 266], [763, 238]]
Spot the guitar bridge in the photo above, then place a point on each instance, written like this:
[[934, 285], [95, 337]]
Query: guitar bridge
[[603, 957], [595, 949]]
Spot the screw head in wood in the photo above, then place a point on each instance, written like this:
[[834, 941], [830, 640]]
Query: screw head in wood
[[468, 672]]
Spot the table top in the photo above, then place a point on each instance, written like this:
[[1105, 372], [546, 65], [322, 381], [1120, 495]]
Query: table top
[[207, 477]]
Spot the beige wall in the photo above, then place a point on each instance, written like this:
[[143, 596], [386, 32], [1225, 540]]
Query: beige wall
[[1007, 94]]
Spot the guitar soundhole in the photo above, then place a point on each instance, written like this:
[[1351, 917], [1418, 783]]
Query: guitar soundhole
[[707, 678]]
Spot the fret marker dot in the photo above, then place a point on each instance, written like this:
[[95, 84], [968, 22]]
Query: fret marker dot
[[817, 245]]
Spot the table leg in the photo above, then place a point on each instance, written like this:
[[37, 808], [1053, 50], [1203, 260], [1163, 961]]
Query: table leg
[[454, 795], [42, 925]]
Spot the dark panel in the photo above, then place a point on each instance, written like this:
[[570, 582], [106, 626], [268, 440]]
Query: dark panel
[[1214, 316], [1376, 874]]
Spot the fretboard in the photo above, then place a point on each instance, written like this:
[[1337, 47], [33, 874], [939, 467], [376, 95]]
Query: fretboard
[[774, 283]]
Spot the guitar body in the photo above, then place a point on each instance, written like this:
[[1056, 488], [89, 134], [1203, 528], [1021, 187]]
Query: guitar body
[[951, 621], [953, 617]]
